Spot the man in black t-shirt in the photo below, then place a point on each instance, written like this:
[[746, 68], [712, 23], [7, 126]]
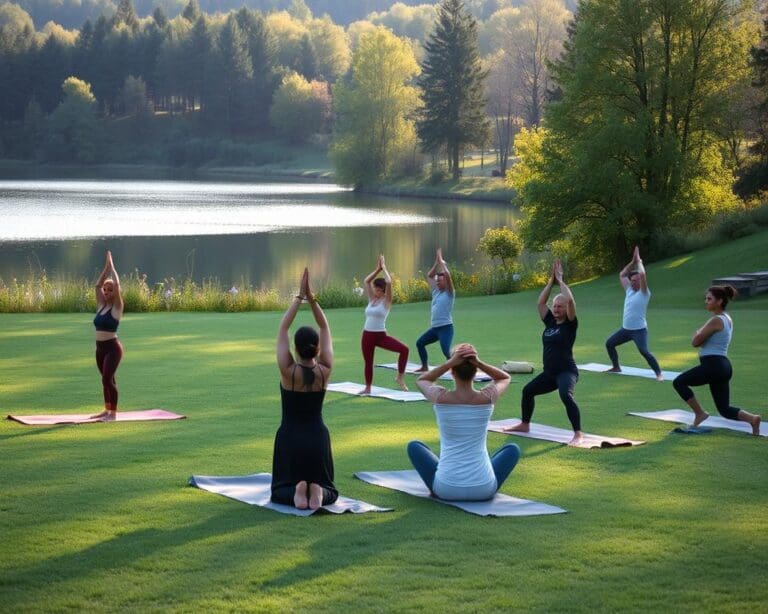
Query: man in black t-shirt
[[560, 372]]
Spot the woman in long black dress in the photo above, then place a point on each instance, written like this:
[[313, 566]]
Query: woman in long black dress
[[302, 463]]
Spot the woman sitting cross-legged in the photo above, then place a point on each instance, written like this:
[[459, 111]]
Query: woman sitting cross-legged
[[464, 471], [302, 463]]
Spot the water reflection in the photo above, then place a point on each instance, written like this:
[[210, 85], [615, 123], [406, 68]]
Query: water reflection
[[262, 234]]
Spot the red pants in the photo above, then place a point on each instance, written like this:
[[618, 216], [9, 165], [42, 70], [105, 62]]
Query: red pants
[[381, 339]]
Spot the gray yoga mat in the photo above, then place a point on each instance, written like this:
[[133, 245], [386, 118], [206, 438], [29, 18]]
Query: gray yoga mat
[[596, 367], [552, 433], [409, 482], [683, 416], [376, 391], [255, 489], [412, 366]]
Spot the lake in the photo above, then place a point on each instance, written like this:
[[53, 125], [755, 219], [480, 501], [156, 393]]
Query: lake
[[262, 234]]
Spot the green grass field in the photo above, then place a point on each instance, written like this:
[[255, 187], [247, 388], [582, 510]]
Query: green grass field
[[99, 517]]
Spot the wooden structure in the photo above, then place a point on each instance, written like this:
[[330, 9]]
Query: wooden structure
[[747, 284]]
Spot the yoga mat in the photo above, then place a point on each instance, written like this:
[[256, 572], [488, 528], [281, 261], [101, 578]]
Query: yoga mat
[[255, 489], [412, 366], [122, 416], [683, 416], [552, 433], [599, 368], [381, 393], [692, 430], [410, 483]]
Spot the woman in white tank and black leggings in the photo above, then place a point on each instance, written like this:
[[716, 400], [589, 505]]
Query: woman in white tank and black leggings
[[714, 369], [109, 351]]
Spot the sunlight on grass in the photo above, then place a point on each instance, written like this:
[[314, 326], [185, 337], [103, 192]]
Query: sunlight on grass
[[30, 332], [678, 262]]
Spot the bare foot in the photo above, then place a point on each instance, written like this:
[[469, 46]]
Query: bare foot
[[659, 377], [613, 370], [365, 391], [700, 417], [421, 369], [755, 422], [315, 496], [101, 414], [300, 496], [522, 427], [401, 382], [578, 437], [106, 416]]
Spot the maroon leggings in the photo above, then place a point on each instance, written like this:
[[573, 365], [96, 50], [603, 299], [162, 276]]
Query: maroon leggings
[[381, 339], [108, 356]]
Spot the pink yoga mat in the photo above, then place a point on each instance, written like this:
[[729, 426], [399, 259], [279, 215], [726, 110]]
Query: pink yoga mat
[[122, 416]]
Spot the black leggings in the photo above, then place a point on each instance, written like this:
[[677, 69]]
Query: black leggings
[[715, 371], [108, 356], [564, 382], [284, 495]]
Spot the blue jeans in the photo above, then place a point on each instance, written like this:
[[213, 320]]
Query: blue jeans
[[425, 461], [443, 334], [640, 337]]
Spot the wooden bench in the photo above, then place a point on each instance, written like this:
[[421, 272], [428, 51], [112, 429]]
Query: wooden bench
[[747, 284]]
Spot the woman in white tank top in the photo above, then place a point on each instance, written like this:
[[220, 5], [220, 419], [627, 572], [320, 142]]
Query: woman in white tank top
[[379, 291]]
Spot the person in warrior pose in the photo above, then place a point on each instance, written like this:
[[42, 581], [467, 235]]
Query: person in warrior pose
[[464, 471], [441, 322], [375, 335], [714, 368], [560, 372], [109, 350], [634, 326], [302, 462]]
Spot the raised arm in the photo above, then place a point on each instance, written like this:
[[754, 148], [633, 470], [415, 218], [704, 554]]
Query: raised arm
[[443, 268], [100, 300], [570, 309], [641, 271], [499, 377], [387, 280], [368, 281], [117, 299], [541, 305], [325, 356], [460, 354], [284, 356]]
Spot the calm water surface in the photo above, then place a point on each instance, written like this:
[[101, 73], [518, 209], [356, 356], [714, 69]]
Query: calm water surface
[[262, 234]]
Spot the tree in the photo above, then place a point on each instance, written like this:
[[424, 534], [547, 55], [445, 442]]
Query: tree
[[331, 48], [126, 14], [72, 126], [307, 65], [501, 243], [629, 151], [135, 96], [373, 108], [452, 86], [759, 55], [297, 113]]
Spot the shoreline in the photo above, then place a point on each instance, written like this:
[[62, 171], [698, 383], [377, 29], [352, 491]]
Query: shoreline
[[467, 189]]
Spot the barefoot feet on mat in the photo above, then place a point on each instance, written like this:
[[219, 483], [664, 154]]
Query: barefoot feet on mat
[[300, 496], [578, 437], [613, 370], [523, 427], [700, 417], [401, 382], [315, 496]]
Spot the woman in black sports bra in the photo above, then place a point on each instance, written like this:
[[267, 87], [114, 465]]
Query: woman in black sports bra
[[302, 463], [109, 350]]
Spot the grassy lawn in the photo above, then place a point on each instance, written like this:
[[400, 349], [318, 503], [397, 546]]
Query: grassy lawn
[[99, 517]]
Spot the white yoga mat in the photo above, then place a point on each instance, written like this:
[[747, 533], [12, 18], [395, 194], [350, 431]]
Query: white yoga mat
[[255, 489], [683, 416], [410, 483], [412, 367], [122, 416], [552, 433], [648, 373], [381, 393]]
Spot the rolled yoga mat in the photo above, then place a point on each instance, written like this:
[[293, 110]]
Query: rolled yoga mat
[[552, 433], [122, 416], [409, 482], [255, 489]]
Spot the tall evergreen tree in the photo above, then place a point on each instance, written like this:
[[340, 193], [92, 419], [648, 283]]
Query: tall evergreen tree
[[191, 12], [452, 86], [760, 64], [261, 51]]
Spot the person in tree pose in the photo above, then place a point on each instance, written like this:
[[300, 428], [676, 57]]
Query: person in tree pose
[[634, 326], [302, 462], [379, 290], [109, 350], [560, 372], [464, 471], [714, 368], [441, 322]]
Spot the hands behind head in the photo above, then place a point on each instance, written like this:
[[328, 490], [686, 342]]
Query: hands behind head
[[463, 352]]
